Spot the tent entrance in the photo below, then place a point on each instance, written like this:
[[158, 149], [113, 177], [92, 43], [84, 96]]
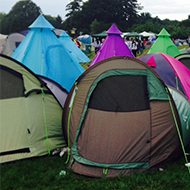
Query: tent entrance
[[110, 128]]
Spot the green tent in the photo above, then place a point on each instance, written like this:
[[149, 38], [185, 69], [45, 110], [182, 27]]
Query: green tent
[[183, 107], [164, 44], [30, 114], [102, 34]]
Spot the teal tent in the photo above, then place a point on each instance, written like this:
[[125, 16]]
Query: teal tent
[[43, 53], [76, 52]]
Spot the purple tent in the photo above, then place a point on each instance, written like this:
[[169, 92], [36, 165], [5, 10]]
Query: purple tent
[[172, 71], [112, 46]]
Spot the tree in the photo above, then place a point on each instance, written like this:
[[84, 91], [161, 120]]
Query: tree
[[20, 17], [121, 12], [2, 15], [55, 21], [97, 27], [73, 6]]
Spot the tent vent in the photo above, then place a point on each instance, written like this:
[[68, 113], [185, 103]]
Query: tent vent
[[23, 150]]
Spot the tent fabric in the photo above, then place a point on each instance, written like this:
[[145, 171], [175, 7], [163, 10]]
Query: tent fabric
[[102, 34], [86, 39], [185, 59], [148, 34], [183, 107], [106, 134], [164, 44], [2, 41], [41, 22], [11, 43], [58, 91], [112, 46], [133, 34], [172, 71], [30, 115], [43, 53], [72, 48]]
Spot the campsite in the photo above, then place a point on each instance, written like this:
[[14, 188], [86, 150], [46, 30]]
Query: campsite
[[104, 109]]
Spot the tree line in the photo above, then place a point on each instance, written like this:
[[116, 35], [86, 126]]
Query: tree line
[[94, 17]]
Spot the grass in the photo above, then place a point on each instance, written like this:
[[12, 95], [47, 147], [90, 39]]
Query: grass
[[42, 173]]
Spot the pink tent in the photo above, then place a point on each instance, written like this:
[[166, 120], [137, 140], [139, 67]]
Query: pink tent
[[112, 46], [172, 71]]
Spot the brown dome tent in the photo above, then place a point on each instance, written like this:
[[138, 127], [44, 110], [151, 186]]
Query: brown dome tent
[[120, 118]]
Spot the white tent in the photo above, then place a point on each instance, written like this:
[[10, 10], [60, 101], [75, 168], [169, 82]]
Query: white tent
[[2, 41], [148, 34]]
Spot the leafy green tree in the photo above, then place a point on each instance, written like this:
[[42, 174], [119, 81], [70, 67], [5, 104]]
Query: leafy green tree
[[97, 27], [73, 6], [55, 21], [2, 15], [20, 17], [121, 12]]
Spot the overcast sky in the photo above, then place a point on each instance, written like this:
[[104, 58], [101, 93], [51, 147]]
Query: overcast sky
[[171, 9]]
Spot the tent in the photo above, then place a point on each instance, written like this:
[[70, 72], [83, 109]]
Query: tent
[[30, 115], [12, 42], [185, 59], [172, 71], [85, 39], [120, 118], [43, 53], [133, 34], [148, 34], [183, 107], [58, 91], [164, 44], [112, 46], [72, 48], [2, 41], [101, 35]]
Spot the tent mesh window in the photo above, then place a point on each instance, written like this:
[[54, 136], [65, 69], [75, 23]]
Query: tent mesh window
[[11, 84], [186, 62], [123, 93]]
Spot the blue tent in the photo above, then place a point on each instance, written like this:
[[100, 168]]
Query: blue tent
[[72, 48], [43, 53]]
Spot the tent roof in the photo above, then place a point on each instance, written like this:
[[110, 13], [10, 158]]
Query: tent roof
[[132, 34], [22, 110], [165, 45], [41, 22], [163, 32], [72, 48], [3, 36], [64, 34], [147, 34], [102, 34], [112, 46], [169, 68], [113, 30], [44, 54]]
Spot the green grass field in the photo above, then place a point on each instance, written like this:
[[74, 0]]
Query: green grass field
[[42, 173]]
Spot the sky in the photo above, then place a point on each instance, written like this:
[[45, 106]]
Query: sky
[[164, 9]]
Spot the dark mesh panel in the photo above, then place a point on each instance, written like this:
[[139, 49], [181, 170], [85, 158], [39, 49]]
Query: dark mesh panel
[[123, 93], [186, 62], [11, 83]]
